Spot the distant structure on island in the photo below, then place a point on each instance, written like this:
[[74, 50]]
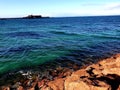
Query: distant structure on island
[[34, 17]]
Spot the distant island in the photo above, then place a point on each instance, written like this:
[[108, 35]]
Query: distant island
[[27, 17], [34, 17]]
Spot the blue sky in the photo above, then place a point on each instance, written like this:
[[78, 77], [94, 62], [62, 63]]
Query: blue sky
[[56, 8]]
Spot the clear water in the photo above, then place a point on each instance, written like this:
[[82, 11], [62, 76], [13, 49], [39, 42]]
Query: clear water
[[30, 42]]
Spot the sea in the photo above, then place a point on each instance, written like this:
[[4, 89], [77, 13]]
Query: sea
[[34, 42]]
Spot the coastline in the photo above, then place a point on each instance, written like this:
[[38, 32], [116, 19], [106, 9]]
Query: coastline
[[103, 75]]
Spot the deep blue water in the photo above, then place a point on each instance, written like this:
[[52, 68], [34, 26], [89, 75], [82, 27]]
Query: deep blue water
[[30, 42]]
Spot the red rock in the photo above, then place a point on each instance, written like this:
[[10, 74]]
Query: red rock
[[59, 68], [81, 72], [20, 88], [58, 84], [34, 84], [31, 88], [79, 80], [41, 83], [99, 88], [68, 73], [118, 88], [92, 77], [6, 88], [54, 73], [70, 79], [111, 71], [76, 67], [77, 86], [45, 88]]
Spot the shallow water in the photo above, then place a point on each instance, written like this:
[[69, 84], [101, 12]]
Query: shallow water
[[30, 42]]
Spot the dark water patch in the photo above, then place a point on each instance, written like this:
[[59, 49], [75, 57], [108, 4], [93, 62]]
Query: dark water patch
[[29, 34], [63, 33], [24, 47], [66, 26], [118, 25], [26, 52], [17, 51], [118, 31], [92, 54], [20, 48]]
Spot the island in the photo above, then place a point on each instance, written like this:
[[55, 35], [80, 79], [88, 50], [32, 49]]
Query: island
[[27, 17], [34, 17]]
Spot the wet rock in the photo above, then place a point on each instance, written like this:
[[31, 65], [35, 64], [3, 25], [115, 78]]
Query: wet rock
[[20, 88], [31, 88], [76, 67], [118, 88], [59, 68], [68, 73], [5, 88], [81, 73], [16, 85], [41, 83]]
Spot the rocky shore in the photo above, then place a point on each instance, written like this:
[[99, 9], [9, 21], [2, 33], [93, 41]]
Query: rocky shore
[[103, 75]]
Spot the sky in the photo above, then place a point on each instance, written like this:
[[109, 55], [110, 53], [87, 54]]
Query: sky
[[59, 8]]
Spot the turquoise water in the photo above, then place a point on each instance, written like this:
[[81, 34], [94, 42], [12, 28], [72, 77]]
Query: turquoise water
[[31, 42]]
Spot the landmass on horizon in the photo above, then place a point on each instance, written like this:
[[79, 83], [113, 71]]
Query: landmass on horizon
[[40, 16], [27, 17]]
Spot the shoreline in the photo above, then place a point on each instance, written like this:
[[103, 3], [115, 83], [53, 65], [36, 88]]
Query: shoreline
[[97, 76]]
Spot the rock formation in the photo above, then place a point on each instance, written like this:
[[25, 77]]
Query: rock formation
[[104, 75]]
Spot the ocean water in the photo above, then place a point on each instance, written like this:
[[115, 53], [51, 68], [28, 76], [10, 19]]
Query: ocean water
[[31, 42]]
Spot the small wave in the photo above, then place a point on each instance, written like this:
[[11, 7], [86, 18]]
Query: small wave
[[62, 33], [18, 49], [105, 37], [118, 25], [24, 34], [118, 31], [65, 26]]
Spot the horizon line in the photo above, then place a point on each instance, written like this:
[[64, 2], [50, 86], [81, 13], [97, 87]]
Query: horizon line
[[58, 16]]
